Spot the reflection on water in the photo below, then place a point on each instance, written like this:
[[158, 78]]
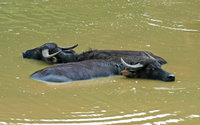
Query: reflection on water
[[169, 29]]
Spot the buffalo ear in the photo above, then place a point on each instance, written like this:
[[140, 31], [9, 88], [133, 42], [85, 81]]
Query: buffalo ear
[[125, 73], [156, 58], [161, 60], [54, 59]]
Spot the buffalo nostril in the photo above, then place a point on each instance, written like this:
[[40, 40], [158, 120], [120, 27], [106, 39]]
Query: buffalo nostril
[[171, 77]]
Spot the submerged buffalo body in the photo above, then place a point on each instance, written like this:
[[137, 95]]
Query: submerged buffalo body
[[95, 64]]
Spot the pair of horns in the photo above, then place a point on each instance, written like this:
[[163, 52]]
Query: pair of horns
[[136, 65], [45, 52]]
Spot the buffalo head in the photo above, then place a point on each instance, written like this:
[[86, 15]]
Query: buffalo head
[[51, 53], [147, 69]]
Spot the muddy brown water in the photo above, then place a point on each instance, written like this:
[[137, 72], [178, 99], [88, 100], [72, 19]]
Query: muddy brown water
[[168, 28]]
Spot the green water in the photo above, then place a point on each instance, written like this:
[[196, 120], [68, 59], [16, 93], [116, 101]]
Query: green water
[[168, 28]]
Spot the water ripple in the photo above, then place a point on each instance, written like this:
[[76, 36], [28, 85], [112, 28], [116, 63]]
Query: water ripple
[[82, 112], [136, 118], [168, 121], [118, 119], [172, 25], [172, 28], [165, 88], [92, 119]]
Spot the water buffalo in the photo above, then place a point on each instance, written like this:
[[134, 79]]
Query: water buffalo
[[148, 68], [51, 53]]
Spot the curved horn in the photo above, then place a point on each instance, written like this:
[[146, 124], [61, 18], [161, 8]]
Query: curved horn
[[67, 48], [151, 57], [131, 66], [45, 53]]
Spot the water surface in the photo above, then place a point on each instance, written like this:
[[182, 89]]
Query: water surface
[[167, 28]]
